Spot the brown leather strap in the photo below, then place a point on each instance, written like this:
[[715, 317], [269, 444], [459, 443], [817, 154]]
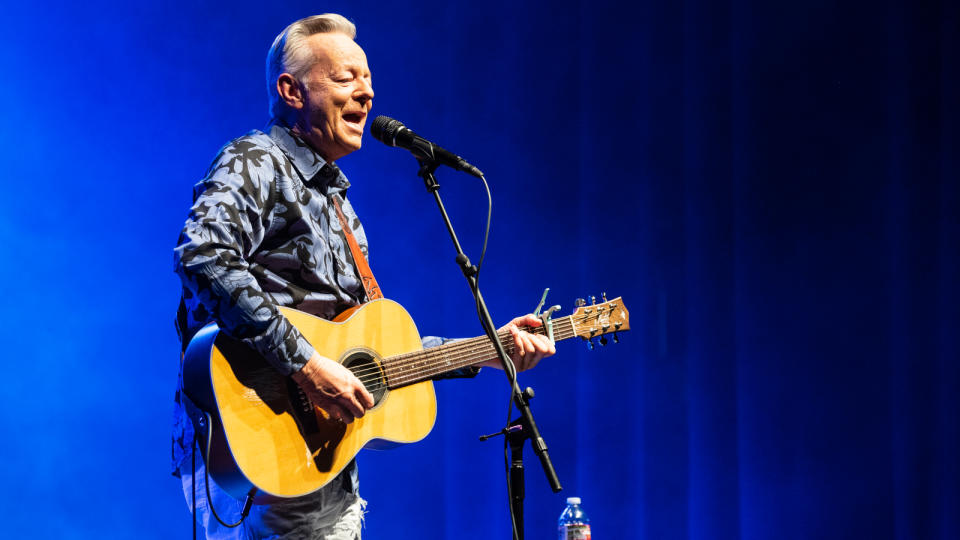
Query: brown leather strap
[[366, 275]]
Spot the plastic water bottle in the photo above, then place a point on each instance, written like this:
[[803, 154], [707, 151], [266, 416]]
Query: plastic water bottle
[[574, 523]]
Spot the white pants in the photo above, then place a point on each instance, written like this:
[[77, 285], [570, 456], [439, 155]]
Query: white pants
[[332, 513]]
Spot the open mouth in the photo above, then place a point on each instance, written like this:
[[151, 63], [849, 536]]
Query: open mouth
[[355, 120]]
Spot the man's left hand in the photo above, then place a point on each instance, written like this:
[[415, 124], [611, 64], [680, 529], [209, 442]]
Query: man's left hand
[[528, 348]]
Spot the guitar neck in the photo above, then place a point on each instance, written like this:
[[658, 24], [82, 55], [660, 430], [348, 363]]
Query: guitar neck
[[409, 368]]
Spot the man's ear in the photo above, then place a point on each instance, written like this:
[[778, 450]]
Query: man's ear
[[289, 90]]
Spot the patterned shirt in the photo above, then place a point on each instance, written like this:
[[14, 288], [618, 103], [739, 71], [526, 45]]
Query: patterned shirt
[[262, 233]]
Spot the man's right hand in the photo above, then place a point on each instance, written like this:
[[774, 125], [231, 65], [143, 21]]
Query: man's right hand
[[333, 388]]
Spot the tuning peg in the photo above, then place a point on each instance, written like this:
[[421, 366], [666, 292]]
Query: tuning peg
[[603, 341], [604, 296], [615, 338], [593, 299], [590, 345], [580, 302]]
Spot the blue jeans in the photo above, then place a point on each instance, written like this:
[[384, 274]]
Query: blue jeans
[[331, 513]]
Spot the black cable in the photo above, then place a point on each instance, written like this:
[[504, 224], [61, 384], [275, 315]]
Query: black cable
[[506, 466], [247, 503], [506, 457], [483, 249], [486, 234], [512, 373]]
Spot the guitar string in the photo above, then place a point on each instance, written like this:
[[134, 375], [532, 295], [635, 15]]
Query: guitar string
[[399, 366], [423, 364], [400, 362], [414, 366], [475, 349], [418, 365], [405, 367], [429, 360], [409, 366]]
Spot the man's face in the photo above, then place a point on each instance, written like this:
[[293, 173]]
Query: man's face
[[337, 97]]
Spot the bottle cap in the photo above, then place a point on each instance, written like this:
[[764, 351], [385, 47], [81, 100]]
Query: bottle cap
[[573, 500]]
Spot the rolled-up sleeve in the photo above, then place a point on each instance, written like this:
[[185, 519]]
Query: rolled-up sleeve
[[227, 222]]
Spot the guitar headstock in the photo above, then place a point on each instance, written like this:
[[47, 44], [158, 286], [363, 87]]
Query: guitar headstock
[[598, 319]]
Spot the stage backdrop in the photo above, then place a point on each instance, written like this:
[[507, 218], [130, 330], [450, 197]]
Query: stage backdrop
[[771, 186]]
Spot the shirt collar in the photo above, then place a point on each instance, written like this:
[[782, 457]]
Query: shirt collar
[[314, 170]]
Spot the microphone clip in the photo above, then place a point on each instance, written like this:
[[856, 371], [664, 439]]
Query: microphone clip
[[427, 168]]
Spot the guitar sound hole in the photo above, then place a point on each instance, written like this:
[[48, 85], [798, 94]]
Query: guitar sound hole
[[367, 368]]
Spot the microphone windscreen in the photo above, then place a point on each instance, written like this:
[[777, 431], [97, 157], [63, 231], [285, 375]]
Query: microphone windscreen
[[385, 129]]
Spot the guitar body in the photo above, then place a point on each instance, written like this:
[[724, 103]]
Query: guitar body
[[265, 436]]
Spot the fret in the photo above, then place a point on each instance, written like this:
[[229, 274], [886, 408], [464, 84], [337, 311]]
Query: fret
[[586, 322], [409, 368]]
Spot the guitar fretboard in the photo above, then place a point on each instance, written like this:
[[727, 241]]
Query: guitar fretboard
[[413, 367]]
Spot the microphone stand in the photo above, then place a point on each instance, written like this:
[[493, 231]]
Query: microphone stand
[[528, 426]]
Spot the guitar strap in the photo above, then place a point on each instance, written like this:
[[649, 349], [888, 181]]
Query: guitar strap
[[366, 275]]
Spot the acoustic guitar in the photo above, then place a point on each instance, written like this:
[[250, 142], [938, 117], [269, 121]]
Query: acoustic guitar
[[266, 439]]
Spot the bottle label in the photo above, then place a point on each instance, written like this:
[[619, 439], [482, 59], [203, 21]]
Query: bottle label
[[575, 532]]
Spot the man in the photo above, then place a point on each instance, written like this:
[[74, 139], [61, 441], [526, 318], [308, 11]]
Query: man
[[264, 232]]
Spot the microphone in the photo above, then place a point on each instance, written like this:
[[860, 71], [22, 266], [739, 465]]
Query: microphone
[[393, 133]]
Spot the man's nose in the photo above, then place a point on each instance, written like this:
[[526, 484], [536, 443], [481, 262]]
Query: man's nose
[[364, 92]]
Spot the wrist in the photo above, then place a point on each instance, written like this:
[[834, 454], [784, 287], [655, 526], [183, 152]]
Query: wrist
[[303, 374]]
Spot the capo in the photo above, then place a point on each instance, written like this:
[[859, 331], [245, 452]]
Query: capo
[[545, 316]]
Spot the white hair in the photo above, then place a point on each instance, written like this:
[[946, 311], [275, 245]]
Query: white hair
[[290, 53]]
